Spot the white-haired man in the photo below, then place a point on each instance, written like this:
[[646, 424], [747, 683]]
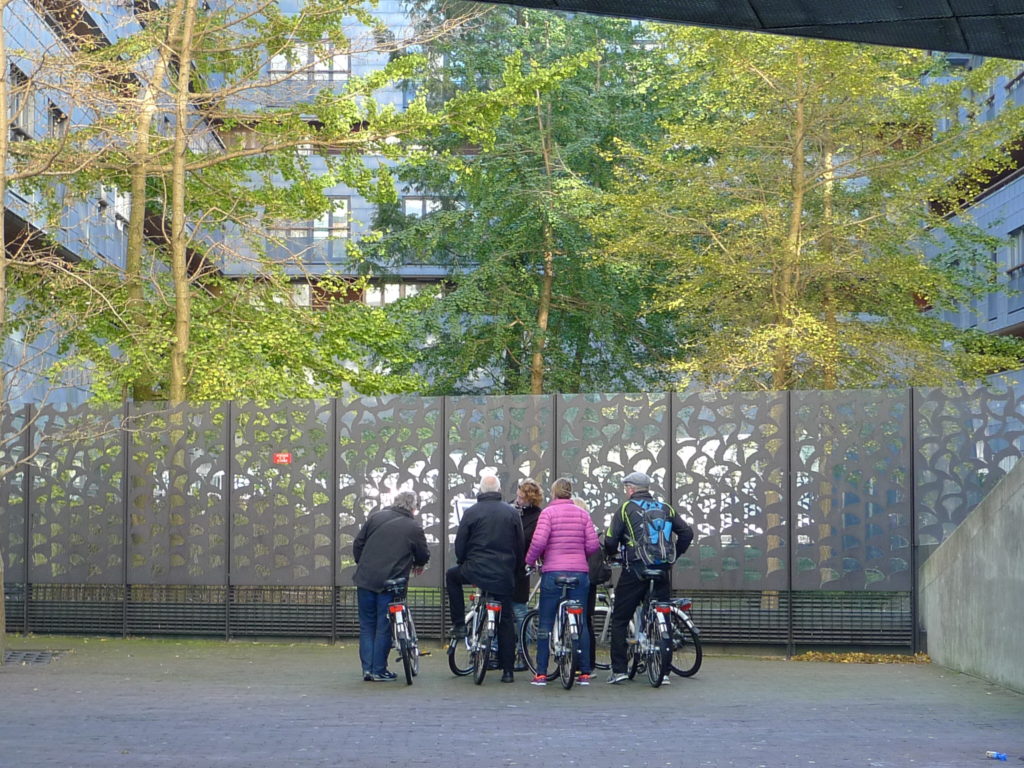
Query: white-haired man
[[488, 550], [389, 546]]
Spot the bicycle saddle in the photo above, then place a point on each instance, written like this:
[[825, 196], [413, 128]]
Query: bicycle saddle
[[567, 581], [392, 584]]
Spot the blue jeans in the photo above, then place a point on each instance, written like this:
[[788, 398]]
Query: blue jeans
[[550, 595], [374, 630]]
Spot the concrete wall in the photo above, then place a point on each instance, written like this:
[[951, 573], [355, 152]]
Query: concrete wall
[[971, 590]]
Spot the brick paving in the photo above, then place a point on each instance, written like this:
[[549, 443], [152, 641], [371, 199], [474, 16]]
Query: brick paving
[[112, 703]]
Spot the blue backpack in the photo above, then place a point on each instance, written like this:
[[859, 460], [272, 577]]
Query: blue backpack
[[653, 539]]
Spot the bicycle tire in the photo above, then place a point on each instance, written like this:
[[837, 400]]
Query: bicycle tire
[[687, 653], [414, 644], [481, 655], [568, 654], [406, 652], [460, 656], [528, 639], [659, 661], [633, 655], [602, 637]]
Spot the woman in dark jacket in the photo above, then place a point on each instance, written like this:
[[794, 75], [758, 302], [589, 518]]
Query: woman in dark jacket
[[528, 502]]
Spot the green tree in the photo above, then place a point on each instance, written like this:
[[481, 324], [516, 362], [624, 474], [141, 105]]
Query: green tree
[[526, 309], [216, 154], [794, 195]]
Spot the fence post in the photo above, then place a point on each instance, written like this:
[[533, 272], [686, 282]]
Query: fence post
[[229, 483], [445, 516], [27, 501], [335, 456], [791, 493], [915, 645], [125, 512]]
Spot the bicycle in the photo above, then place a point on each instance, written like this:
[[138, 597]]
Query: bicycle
[[649, 645], [687, 652], [472, 653], [403, 631], [565, 635]]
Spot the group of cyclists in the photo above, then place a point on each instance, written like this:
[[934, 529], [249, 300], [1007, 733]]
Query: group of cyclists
[[498, 544]]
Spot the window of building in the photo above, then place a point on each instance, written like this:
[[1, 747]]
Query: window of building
[[387, 293], [1015, 270], [119, 203], [420, 206], [320, 62], [333, 224], [56, 121], [20, 110]]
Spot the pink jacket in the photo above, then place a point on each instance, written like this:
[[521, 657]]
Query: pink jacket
[[565, 538]]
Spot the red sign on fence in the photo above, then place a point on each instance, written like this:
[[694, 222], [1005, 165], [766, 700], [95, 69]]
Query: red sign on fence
[[283, 457]]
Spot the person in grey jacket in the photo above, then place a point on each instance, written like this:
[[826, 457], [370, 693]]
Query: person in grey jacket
[[389, 546]]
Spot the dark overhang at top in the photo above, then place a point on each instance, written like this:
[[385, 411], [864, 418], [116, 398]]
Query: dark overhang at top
[[982, 27]]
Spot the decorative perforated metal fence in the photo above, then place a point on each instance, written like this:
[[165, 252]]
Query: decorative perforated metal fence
[[811, 509]]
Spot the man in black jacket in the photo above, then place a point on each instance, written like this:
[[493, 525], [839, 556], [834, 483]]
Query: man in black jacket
[[488, 550], [390, 544], [631, 588]]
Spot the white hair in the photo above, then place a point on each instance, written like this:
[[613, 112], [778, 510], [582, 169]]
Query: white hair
[[490, 484]]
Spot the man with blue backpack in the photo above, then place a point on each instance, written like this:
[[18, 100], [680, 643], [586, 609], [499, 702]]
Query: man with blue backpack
[[650, 534]]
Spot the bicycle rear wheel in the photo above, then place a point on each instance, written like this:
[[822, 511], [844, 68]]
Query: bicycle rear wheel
[[567, 655], [602, 637], [687, 653], [414, 645], [407, 655], [481, 655], [460, 659], [659, 661]]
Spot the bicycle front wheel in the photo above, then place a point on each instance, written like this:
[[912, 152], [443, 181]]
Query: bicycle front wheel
[[634, 656], [602, 637], [687, 653], [460, 658], [567, 655], [528, 639]]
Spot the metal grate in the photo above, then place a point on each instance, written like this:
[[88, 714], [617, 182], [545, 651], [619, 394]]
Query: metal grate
[[31, 658]]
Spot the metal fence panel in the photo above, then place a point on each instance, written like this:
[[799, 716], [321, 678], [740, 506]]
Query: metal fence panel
[[77, 497], [388, 444], [602, 438], [731, 484], [851, 484], [282, 523], [511, 434], [14, 432], [966, 440], [177, 521]]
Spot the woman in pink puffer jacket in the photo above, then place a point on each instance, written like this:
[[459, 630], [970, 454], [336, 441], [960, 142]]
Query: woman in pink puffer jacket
[[565, 537]]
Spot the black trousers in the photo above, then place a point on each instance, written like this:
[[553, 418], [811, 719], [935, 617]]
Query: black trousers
[[629, 593], [455, 580]]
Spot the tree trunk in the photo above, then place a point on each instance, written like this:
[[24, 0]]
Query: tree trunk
[[142, 388], [548, 279], [786, 292], [830, 375], [179, 232]]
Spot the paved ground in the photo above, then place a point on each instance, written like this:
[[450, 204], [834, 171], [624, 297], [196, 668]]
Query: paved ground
[[132, 703]]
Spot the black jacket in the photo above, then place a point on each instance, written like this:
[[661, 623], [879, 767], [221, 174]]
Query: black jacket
[[489, 544], [529, 517], [389, 544], [618, 532]]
